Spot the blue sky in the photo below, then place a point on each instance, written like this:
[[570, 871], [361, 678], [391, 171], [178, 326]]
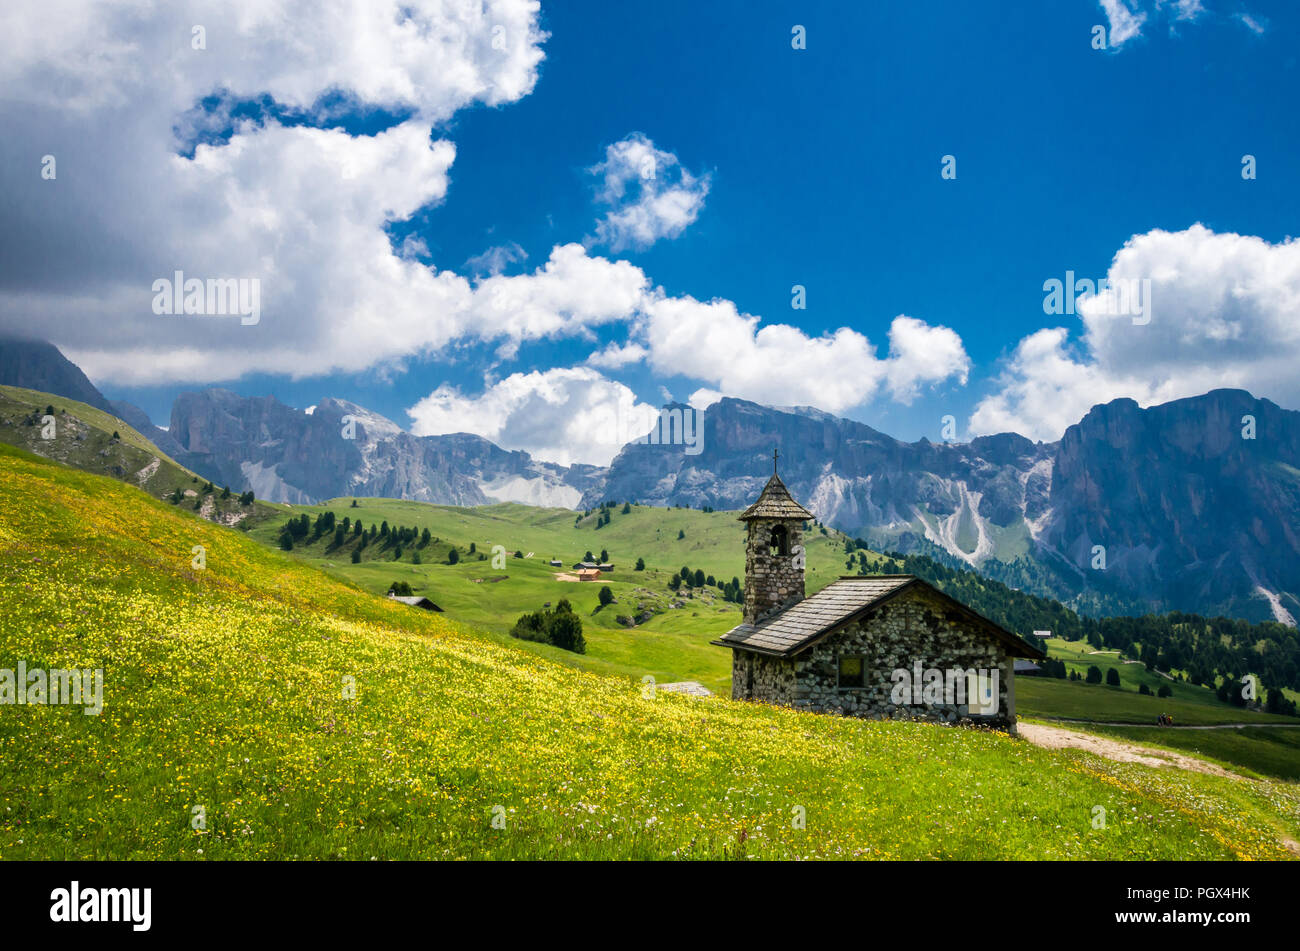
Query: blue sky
[[821, 167]]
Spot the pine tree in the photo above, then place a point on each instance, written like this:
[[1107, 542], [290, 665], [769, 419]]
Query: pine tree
[[565, 629]]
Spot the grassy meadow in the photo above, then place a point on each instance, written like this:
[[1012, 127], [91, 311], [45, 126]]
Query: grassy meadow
[[672, 645], [260, 708], [668, 637], [1251, 750], [94, 441], [1076, 700], [1042, 697]]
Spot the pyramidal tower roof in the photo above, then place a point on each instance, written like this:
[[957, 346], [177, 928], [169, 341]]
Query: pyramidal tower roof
[[775, 501]]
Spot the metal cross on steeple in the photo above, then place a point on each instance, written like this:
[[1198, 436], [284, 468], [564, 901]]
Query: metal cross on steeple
[[775, 454]]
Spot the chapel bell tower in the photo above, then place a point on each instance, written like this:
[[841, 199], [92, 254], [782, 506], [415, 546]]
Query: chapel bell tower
[[774, 555]]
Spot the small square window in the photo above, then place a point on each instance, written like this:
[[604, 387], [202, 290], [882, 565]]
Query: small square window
[[851, 669]]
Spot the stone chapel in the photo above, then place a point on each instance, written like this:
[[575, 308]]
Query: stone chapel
[[877, 646]]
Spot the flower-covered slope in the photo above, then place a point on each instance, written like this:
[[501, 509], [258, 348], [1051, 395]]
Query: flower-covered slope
[[255, 708]]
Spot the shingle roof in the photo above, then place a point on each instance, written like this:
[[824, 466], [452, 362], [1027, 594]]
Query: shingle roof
[[416, 601], [785, 632], [799, 626], [775, 501]]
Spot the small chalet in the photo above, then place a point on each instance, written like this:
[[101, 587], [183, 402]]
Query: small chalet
[[589, 574], [871, 646], [416, 601]]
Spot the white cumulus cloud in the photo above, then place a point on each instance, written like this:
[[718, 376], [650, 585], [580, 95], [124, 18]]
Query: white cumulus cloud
[[111, 89], [651, 196], [563, 415], [572, 292], [1128, 18], [1125, 21], [615, 356], [1222, 314], [152, 178], [779, 364]]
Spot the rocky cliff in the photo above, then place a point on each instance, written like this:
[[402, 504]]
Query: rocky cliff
[[1171, 507], [341, 449]]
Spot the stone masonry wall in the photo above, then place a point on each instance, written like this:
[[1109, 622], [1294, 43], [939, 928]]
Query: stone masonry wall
[[771, 581], [773, 678], [913, 627]]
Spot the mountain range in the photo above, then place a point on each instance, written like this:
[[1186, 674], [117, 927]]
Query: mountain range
[[1191, 505], [339, 449]]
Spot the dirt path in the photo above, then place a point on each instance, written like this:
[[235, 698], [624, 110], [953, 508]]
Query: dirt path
[[1056, 738]]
